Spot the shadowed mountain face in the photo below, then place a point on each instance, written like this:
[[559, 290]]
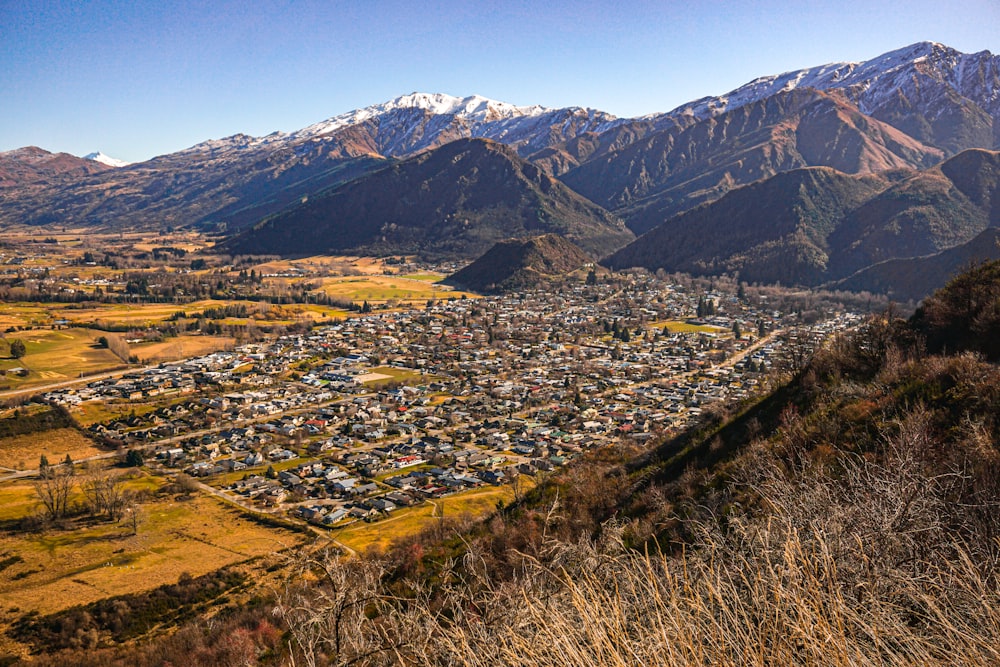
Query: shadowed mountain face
[[812, 226], [517, 265], [913, 278], [672, 171], [455, 201], [231, 181]]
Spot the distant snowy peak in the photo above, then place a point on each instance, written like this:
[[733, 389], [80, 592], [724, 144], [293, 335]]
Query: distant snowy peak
[[104, 159], [474, 108], [871, 82]]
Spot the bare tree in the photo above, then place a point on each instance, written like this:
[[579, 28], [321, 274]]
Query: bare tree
[[134, 514], [105, 494], [53, 489]]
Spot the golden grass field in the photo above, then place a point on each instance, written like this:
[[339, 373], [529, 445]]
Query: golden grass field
[[326, 264], [377, 536], [23, 452], [28, 315], [181, 347], [379, 289], [680, 326], [62, 569], [55, 355], [402, 375]]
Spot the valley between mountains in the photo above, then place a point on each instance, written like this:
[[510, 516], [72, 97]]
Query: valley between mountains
[[450, 381]]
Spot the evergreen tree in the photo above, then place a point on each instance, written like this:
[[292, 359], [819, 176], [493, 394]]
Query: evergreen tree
[[17, 348]]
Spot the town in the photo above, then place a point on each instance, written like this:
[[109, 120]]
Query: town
[[388, 409]]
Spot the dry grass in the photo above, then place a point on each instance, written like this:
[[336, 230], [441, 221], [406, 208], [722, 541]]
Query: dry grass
[[377, 536], [773, 600], [181, 347], [24, 451], [867, 562], [377, 289], [60, 569], [53, 356]]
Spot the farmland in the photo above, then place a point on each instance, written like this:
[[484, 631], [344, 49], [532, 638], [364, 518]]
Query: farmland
[[196, 535]]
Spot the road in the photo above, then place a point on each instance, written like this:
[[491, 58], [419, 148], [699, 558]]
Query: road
[[62, 384]]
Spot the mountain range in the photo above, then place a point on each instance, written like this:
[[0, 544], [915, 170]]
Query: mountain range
[[818, 225], [886, 122]]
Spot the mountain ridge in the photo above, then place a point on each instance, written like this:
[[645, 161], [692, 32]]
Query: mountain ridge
[[413, 207], [816, 225]]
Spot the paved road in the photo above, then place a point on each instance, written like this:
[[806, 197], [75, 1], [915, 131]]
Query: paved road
[[62, 384]]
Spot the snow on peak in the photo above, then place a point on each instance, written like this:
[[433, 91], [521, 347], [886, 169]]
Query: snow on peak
[[474, 108], [104, 159], [868, 79]]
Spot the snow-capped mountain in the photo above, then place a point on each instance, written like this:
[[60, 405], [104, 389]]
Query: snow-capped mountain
[[931, 91], [416, 122], [927, 102], [869, 83], [473, 109], [104, 159]]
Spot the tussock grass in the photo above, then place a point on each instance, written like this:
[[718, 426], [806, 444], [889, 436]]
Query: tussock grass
[[863, 561]]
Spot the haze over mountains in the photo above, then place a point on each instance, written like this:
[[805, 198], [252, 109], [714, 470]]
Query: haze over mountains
[[868, 136]]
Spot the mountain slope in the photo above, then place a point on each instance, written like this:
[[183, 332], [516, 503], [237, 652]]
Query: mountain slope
[[416, 122], [237, 180], [454, 201], [930, 91], [908, 108], [33, 166], [771, 231], [913, 278], [815, 225], [672, 171], [520, 264]]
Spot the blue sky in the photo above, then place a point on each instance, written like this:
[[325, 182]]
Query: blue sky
[[136, 79]]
